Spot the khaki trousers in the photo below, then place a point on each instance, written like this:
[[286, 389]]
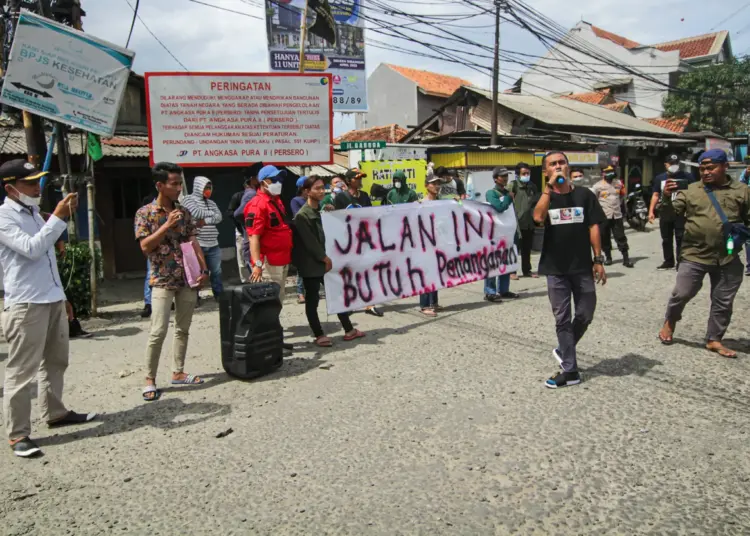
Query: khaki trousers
[[241, 262], [161, 303], [276, 274], [37, 335]]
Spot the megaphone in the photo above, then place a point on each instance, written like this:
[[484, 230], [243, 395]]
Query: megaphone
[[560, 178]]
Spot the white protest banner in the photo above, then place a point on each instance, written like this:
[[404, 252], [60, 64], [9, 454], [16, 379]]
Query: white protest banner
[[388, 253], [232, 119], [66, 75]]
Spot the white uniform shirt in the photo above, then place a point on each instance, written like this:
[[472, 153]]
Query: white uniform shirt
[[27, 255]]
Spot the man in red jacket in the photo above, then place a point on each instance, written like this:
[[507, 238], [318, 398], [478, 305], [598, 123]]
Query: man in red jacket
[[269, 233]]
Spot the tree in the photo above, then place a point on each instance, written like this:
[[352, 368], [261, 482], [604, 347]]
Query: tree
[[717, 97]]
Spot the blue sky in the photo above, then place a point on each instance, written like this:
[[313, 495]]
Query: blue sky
[[207, 39]]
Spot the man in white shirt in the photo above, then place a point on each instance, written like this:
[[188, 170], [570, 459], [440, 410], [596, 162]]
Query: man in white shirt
[[34, 320]]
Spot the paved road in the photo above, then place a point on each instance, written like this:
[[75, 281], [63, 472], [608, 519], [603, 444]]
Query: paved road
[[427, 427]]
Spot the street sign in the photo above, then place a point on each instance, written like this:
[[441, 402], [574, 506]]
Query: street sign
[[361, 145]]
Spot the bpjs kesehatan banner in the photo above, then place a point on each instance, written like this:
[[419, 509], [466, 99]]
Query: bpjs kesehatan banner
[[66, 75], [382, 254], [345, 60], [231, 119]]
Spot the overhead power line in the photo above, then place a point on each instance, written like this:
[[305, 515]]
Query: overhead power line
[[154, 36], [227, 9], [132, 24]]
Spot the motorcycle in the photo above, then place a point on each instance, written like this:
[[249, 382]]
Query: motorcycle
[[636, 211]]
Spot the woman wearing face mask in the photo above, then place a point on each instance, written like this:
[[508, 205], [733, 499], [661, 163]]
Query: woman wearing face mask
[[312, 262], [525, 197], [401, 193]]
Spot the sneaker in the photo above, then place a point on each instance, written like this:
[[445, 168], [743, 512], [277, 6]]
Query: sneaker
[[146, 312], [608, 261], [75, 331], [557, 356], [71, 419], [287, 346], [25, 448], [563, 379], [494, 298], [510, 295], [665, 266]]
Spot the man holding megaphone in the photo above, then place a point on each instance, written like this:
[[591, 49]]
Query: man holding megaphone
[[571, 218]]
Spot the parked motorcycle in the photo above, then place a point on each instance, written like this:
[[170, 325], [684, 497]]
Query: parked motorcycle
[[636, 211]]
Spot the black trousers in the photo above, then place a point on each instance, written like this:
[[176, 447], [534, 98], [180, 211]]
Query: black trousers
[[527, 239], [671, 228], [312, 299], [613, 227]]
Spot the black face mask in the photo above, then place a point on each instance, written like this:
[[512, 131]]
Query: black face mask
[[609, 177]]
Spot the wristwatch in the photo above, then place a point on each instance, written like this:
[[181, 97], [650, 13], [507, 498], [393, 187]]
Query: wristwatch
[[598, 259], [258, 264]]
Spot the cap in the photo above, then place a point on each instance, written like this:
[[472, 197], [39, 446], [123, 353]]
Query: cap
[[271, 172], [717, 156], [433, 178], [301, 182], [354, 173], [20, 170], [609, 169], [399, 175], [500, 172], [672, 159]]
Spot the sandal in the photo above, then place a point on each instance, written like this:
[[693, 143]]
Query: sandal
[[428, 312], [188, 380], [722, 350], [147, 393], [323, 342], [300, 299], [356, 334]]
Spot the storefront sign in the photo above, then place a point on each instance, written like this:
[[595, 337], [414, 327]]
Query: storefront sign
[[388, 253], [381, 173], [66, 75], [232, 119], [345, 61]]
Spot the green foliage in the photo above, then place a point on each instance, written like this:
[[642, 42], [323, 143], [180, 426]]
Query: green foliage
[[75, 270], [717, 97]]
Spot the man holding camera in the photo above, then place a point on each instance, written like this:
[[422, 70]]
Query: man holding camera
[[714, 210], [670, 225], [34, 319]]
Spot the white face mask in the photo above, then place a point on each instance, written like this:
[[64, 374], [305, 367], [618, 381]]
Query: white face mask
[[274, 188], [673, 169], [397, 185], [27, 199], [525, 178]]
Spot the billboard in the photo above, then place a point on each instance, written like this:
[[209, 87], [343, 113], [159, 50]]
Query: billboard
[[232, 119], [66, 75], [345, 61], [381, 172]]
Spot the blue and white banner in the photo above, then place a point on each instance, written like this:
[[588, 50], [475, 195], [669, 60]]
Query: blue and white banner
[[345, 60], [65, 75]]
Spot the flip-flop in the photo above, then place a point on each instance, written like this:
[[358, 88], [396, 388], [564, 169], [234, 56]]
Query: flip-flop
[[428, 312], [665, 342], [151, 389], [356, 335], [188, 380], [723, 352], [323, 342]]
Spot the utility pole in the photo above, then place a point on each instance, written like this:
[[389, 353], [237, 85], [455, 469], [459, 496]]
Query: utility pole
[[302, 39], [495, 74]]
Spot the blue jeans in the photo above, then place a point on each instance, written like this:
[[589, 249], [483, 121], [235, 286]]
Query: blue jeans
[[300, 286], [747, 257], [428, 299], [213, 261], [147, 285], [497, 285]]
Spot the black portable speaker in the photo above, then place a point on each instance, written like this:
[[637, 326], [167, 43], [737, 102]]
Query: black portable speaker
[[251, 334]]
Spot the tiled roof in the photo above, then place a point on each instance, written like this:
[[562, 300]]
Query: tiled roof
[[440, 85], [675, 124], [617, 39], [619, 106], [694, 47], [388, 133], [595, 97], [13, 142]]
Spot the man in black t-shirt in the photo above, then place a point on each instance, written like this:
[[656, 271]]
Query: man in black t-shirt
[[571, 218]]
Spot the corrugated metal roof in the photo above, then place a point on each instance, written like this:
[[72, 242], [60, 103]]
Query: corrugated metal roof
[[321, 171], [570, 112], [13, 142]]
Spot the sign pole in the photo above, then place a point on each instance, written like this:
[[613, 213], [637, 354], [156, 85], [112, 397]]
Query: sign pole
[[302, 38]]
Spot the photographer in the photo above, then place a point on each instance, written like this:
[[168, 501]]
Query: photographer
[[670, 225], [708, 246]]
